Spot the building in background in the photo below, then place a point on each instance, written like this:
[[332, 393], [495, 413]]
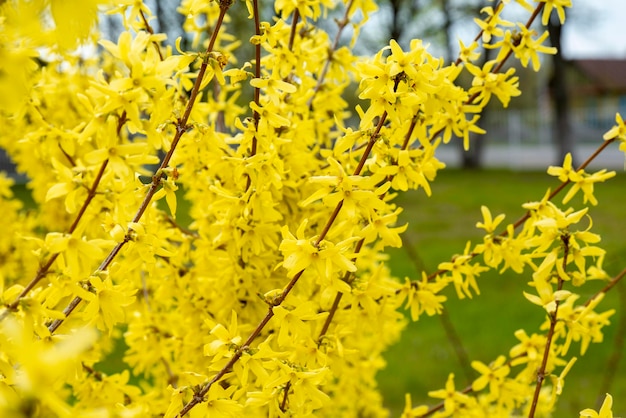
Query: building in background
[[598, 91]]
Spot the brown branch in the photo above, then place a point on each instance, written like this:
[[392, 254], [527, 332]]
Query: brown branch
[[257, 91], [294, 26], [45, 268], [90, 195], [608, 287], [553, 194], [199, 395], [331, 51], [561, 186], [172, 378], [181, 228], [541, 373], [151, 32], [283, 404], [457, 345], [181, 128], [348, 277], [612, 364], [67, 156], [331, 312]]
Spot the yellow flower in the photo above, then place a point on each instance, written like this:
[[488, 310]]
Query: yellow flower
[[226, 339], [413, 169], [38, 366], [106, 306], [491, 25], [528, 347], [273, 87], [452, 399], [168, 190], [489, 224], [307, 8], [546, 296], [69, 185], [486, 83], [292, 322], [462, 273], [554, 4], [409, 411], [379, 227], [585, 183], [468, 53], [617, 132], [270, 116], [405, 62], [566, 172], [219, 403], [327, 259], [123, 159], [529, 48], [604, 412], [423, 296], [492, 375], [355, 192], [77, 255]]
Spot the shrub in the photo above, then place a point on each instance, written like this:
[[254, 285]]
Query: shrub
[[276, 299]]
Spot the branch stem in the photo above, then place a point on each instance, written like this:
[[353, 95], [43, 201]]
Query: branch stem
[[541, 373], [181, 128]]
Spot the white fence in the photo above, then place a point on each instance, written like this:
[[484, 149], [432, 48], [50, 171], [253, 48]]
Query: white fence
[[522, 139], [534, 126]]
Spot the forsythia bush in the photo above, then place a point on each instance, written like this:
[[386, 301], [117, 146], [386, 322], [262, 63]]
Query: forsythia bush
[[277, 299]]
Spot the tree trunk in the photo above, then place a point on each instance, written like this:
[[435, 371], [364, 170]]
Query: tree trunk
[[447, 29], [396, 26], [557, 85], [472, 158]]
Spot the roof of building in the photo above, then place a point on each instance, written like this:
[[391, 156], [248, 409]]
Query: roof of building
[[607, 75]]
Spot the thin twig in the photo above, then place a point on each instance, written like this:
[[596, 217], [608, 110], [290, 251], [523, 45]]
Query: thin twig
[[151, 32], [200, 394], [446, 323], [181, 128], [283, 404], [541, 373], [348, 277], [172, 378], [608, 287], [45, 268], [497, 69], [552, 195], [612, 364], [257, 91], [331, 51], [294, 25]]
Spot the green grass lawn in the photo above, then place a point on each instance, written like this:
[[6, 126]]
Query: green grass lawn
[[438, 228]]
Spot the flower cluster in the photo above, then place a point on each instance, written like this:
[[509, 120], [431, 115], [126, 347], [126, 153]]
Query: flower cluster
[[276, 299]]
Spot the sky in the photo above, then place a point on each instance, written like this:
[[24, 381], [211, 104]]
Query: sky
[[595, 29]]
